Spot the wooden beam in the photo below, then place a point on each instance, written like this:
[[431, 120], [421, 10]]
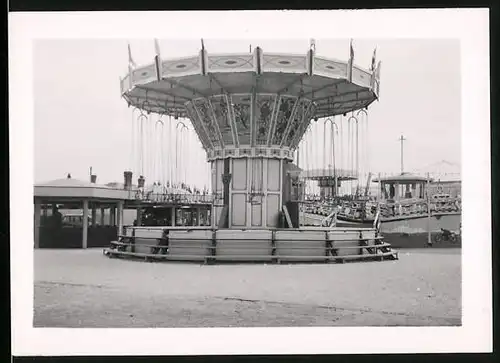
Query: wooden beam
[[287, 216]]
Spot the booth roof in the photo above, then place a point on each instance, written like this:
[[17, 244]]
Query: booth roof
[[71, 183], [69, 188]]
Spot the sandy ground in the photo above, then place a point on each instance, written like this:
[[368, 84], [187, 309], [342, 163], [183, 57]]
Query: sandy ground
[[83, 288]]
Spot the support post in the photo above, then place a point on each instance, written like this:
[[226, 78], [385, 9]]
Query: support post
[[102, 215], [119, 217], [402, 140], [85, 223], [198, 216], [139, 215], [94, 215], [112, 216], [38, 207], [173, 217]]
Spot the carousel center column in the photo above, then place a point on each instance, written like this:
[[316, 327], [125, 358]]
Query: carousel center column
[[249, 140]]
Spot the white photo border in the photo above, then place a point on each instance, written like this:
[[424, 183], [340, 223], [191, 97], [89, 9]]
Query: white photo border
[[471, 26]]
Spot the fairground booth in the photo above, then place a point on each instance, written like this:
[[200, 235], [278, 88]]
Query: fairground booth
[[71, 213]]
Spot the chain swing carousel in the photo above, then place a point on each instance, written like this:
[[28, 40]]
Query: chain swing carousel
[[250, 112]]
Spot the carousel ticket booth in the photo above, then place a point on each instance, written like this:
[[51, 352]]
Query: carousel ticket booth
[[71, 213], [402, 187]]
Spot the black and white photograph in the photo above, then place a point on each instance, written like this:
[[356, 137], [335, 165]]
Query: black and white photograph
[[262, 180]]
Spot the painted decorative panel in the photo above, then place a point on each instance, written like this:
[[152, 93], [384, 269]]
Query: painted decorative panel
[[257, 184], [376, 88], [144, 75], [285, 109], [261, 152], [181, 67], [220, 106], [273, 205], [273, 175], [257, 215], [300, 113], [238, 208], [263, 114], [125, 84], [195, 121], [239, 172], [329, 68], [360, 77], [205, 115], [242, 113], [284, 63], [231, 63], [219, 172], [217, 214], [213, 175], [306, 120]]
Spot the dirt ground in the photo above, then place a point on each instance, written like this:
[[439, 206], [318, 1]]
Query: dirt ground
[[83, 288]]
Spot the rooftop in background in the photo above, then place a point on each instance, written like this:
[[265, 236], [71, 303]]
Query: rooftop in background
[[444, 171], [69, 188]]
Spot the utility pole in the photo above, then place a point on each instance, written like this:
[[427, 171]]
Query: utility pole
[[402, 140], [429, 237]]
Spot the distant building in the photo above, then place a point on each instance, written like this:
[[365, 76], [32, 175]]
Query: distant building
[[446, 178]]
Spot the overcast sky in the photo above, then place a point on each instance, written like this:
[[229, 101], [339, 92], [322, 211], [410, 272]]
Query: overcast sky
[[81, 120]]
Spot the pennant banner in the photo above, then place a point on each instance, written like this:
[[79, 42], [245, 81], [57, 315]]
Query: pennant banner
[[158, 62], [131, 67], [310, 58], [203, 59], [350, 64], [374, 58]]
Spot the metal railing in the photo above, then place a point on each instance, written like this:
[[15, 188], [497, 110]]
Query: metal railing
[[176, 198], [367, 209], [276, 249]]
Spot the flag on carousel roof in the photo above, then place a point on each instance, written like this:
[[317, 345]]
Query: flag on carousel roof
[[158, 63], [130, 59], [202, 55], [131, 66], [157, 47], [350, 64], [374, 60]]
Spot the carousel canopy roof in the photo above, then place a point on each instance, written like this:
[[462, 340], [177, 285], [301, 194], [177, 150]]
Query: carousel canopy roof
[[342, 174], [405, 178], [165, 87]]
